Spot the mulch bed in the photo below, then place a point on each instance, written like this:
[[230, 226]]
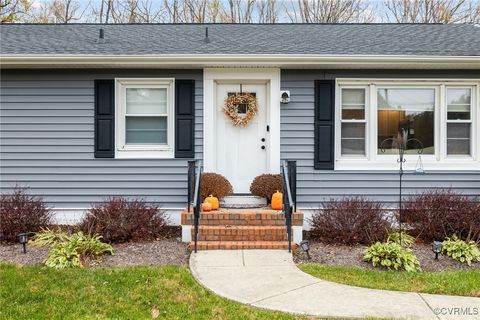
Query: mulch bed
[[152, 253], [338, 255]]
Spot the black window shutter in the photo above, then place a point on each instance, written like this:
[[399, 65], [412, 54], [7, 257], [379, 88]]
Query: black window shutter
[[184, 119], [324, 124], [104, 119]]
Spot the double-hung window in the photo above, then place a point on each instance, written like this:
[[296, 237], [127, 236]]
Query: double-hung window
[[443, 115], [459, 121], [353, 130], [145, 118]]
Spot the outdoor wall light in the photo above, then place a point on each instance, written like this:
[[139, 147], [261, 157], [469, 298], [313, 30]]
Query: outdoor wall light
[[285, 96], [23, 239], [437, 247], [305, 245]]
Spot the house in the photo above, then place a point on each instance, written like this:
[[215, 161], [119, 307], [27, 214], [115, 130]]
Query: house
[[90, 111]]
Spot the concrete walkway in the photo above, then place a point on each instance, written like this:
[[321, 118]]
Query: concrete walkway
[[269, 279]]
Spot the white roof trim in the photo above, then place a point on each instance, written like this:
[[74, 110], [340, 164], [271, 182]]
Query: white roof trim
[[215, 60]]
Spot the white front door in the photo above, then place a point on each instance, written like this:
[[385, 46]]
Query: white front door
[[241, 152]]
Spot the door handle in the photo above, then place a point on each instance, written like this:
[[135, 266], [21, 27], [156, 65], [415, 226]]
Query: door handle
[[263, 139], [263, 147]]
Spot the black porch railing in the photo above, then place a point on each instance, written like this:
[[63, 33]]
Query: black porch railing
[[289, 176], [194, 196]]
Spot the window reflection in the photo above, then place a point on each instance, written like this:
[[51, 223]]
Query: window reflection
[[411, 110]]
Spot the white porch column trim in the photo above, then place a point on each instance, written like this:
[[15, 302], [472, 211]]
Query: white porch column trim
[[272, 76]]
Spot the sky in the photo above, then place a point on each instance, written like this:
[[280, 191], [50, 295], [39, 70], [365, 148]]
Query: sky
[[283, 5]]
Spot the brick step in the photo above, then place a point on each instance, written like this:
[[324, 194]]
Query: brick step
[[238, 245], [241, 233], [242, 217]]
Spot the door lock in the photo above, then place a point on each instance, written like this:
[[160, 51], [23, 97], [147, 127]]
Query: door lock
[[263, 139], [263, 147]]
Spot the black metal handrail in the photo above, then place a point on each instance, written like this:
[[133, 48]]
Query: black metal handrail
[[289, 176], [190, 182], [194, 184]]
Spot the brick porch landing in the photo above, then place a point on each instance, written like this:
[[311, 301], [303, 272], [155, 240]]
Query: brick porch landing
[[232, 229]]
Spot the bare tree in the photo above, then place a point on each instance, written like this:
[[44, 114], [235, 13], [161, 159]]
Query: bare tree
[[214, 11], [125, 11], [432, 11], [329, 11], [103, 13], [238, 11], [474, 12], [196, 11], [175, 10], [267, 11], [58, 11], [14, 10], [66, 11], [149, 12]]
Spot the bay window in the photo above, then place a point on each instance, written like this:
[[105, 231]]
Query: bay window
[[443, 115]]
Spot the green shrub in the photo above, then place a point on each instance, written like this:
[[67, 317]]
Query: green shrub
[[70, 251], [401, 238], [391, 255], [459, 250]]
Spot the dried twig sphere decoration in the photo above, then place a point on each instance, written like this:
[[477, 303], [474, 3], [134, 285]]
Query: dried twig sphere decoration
[[231, 108]]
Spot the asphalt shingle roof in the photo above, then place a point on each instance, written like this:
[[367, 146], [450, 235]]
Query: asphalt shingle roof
[[322, 39]]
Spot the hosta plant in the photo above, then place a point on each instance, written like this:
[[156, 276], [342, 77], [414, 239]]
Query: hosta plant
[[70, 251], [63, 255], [48, 237], [391, 255], [401, 238], [459, 250]]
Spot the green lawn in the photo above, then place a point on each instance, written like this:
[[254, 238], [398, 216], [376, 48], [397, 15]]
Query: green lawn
[[116, 293], [462, 283]]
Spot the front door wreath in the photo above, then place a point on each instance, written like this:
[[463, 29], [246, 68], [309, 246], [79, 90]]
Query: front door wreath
[[232, 104]]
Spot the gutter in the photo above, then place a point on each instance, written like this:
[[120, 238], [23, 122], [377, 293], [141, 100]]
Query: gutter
[[226, 60]]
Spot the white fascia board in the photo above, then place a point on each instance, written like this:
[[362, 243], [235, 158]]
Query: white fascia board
[[216, 60]]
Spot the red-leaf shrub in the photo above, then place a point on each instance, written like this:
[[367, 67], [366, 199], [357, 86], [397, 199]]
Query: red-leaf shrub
[[20, 212], [349, 221], [435, 215], [120, 220]]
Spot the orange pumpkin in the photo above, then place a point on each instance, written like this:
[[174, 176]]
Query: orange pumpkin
[[206, 206], [277, 201], [213, 201]]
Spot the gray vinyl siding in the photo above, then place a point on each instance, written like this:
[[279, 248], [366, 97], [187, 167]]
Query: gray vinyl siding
[[47, 141], [314, 186]]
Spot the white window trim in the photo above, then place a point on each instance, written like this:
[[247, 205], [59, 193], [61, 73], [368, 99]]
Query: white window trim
[[122, 150], [473, 112], [365, 121], [438, 161]]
